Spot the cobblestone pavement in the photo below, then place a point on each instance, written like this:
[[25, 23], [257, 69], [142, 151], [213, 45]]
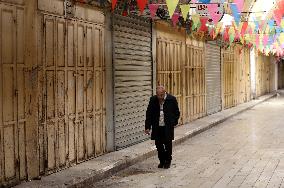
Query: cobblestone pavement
[[244, 151]]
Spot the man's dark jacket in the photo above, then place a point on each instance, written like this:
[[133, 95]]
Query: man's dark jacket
[[171, 116]]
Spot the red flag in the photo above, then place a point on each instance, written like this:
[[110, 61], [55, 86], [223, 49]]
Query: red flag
[[277, 14], [203, 21], [141, 4], [113, 3], [226, 34], [244, 28]]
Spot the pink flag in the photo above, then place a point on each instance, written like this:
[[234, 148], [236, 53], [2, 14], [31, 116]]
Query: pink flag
[[175, 18], [213, 9], [153, 9], [240, 4], [265, 40], [257, 41]]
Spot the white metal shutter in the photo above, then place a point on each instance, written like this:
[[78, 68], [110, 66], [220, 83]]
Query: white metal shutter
[[213, 77], [132, 78]]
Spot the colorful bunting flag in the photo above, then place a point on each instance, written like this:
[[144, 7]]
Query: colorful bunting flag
[[244, 28], [203, 21], [172, 4], [184, 10], [235, 13], [204, 1], [277, 15], [113, 4], [265, 40], [213, 12], [153, 9], [175, 18], [240, 4], [195, 20], [141, 5]]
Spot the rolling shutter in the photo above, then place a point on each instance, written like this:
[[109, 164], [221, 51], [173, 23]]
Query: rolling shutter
[[132, 78], [213, 77]]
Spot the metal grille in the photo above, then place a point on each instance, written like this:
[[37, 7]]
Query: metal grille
[[132, 78], [213, 77]]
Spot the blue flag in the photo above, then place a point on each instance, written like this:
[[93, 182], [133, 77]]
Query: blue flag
[[204, 1], [236, 13]]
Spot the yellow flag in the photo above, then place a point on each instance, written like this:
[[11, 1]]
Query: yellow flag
[[282, 23], [252, 25], [218, 28], [172, 5], [281, 38], [242, 40], [232, 31], [240, 26], [184, 10], [195, 19]]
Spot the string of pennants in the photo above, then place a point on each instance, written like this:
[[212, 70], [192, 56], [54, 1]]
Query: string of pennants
[[265, 35]]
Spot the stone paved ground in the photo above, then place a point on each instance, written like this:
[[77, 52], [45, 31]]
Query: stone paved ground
[[244, 151]]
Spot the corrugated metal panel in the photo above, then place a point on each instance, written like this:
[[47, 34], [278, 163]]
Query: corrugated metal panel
[[213, 77], [132, 78]]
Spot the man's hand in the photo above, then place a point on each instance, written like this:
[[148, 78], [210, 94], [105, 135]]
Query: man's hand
[[147, 131]]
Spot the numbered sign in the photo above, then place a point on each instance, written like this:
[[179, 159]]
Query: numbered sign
[[202, 9]]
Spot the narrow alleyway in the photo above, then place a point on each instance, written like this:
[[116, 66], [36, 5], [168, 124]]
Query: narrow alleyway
[[245, 151]]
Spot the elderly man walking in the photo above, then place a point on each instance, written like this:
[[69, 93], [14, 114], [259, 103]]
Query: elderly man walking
[[161, 117]]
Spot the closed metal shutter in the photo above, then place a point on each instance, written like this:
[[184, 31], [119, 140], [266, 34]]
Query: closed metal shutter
[[132, 78], [213, 77]]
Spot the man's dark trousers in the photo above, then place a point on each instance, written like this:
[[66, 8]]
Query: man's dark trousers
[[164, 147]]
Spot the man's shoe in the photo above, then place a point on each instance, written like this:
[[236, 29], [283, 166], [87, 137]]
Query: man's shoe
[[161, 165], [167, 165]]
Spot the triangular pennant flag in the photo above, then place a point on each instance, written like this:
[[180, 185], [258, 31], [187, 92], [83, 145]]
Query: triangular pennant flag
[[204, 1], [195, 20], [113, 4], [277, 15], [240, 4], [153, 9], [263, 26], [281, 38], [278, 29], [270, 23], [203, 21], [226, 34], [236, 13], [175, 19], [213, 12], [172, 4], [244, 28], [282, 23], [257, 41], [280, 6], [231, 39], [141, 5], [265, 40], [184, 10]]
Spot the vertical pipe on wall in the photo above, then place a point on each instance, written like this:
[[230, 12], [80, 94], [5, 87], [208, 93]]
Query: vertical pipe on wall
[[253, 72], [154, 56], [109, 84]]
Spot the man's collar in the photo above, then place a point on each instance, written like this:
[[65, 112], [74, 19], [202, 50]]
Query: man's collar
[[165, 96]]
